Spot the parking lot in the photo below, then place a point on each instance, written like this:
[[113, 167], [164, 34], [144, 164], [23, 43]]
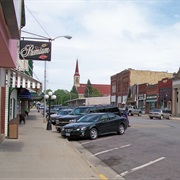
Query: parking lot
[[148, 150]]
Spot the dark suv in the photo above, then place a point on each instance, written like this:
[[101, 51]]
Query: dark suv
[[82, 110]]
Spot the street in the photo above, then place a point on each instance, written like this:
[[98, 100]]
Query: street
[[148, 150]]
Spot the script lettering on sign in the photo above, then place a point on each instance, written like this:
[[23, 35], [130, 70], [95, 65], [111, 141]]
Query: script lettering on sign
[[35, 50]]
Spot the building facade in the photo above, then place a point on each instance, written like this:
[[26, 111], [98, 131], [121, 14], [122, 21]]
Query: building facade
[[82, 88], [11, 20], [125, 85], [151, 97], [14, 84], [176, 94], [165, 93]]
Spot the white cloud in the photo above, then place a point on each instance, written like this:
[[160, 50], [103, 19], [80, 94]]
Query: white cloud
[[108, 37]]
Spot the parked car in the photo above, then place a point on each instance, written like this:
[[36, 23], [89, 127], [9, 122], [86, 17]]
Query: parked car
[[60, 113], [82, 110], [96, 124], [54, 109], [160, 113], [132, 110]]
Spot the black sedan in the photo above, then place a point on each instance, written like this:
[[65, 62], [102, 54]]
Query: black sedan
[[95, 124]]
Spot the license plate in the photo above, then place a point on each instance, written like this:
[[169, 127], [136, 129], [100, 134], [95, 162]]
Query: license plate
[[67, 134]]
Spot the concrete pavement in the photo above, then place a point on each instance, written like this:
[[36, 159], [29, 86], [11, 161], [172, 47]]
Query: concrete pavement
[[42, 154]]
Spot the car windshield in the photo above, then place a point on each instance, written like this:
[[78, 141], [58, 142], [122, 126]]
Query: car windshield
[[156, 110], [61, 112], [89, 118], [80, 111]]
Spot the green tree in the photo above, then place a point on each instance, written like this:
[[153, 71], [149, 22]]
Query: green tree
[[96, 93], [74, 93], [89, 89], [62, 96]]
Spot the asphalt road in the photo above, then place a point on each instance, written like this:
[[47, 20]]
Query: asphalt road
[[148, 150]]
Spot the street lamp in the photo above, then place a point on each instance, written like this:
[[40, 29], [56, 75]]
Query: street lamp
[[67, 37], [50, 97]]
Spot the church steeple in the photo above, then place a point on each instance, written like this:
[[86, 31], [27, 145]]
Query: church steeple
[[77, 75]]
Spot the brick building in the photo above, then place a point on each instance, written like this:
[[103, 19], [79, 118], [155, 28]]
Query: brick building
[[141, 91], [81, 88], [151, 97], [165, 93], [125, 85], [104, 89], [176, 94]]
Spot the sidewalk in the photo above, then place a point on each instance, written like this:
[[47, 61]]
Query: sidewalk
[[42, 154]]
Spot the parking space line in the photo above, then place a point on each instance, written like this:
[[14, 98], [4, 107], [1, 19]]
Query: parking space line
[[108, 150], [102, 177], [95, 140], [142, 166]]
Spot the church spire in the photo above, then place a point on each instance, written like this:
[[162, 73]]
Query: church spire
[[77, 75], [77, 69]]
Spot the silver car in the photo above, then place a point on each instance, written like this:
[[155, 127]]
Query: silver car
[[160, 113]]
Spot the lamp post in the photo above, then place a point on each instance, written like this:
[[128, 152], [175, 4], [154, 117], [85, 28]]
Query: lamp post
[[67, 37], [50, 97]]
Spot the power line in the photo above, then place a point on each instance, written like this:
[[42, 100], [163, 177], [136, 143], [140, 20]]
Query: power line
[[37, 22]]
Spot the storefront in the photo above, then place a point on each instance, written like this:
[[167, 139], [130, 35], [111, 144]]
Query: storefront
[[12, 19], [176, 94], [142, 102], [165, 94], [18, 95], [151, 102]]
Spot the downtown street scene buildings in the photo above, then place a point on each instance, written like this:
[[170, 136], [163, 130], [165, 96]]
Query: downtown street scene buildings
[[16, 81], [146, 90]]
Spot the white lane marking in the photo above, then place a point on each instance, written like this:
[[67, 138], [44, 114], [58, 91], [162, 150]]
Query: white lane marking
[[142, 166], [108, 150], [96, 140]]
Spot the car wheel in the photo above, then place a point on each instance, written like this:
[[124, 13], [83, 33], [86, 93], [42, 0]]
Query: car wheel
[[139, 114], [93, 133], [151, 117], [161, 117], [169, 117], [121, 129]]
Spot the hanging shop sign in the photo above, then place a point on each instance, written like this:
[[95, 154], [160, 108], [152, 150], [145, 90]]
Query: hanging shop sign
[[35, 50]]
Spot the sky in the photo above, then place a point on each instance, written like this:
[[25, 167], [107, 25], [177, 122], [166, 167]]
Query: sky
[[108, 36]]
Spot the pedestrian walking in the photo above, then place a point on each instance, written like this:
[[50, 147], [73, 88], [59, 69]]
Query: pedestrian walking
[[126, 115]]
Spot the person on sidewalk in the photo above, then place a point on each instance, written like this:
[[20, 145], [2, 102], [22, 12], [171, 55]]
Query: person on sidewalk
[[126, 115], [26, 111]]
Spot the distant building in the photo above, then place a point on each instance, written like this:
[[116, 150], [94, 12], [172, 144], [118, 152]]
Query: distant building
[[176, 93], [104, 89], [125, 84], [81, 87]]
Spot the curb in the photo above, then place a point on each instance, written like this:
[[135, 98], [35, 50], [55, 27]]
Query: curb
[[104, 171]]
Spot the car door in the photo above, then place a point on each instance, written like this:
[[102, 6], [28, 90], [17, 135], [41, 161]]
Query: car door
[[104, 124], [113, 122]]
